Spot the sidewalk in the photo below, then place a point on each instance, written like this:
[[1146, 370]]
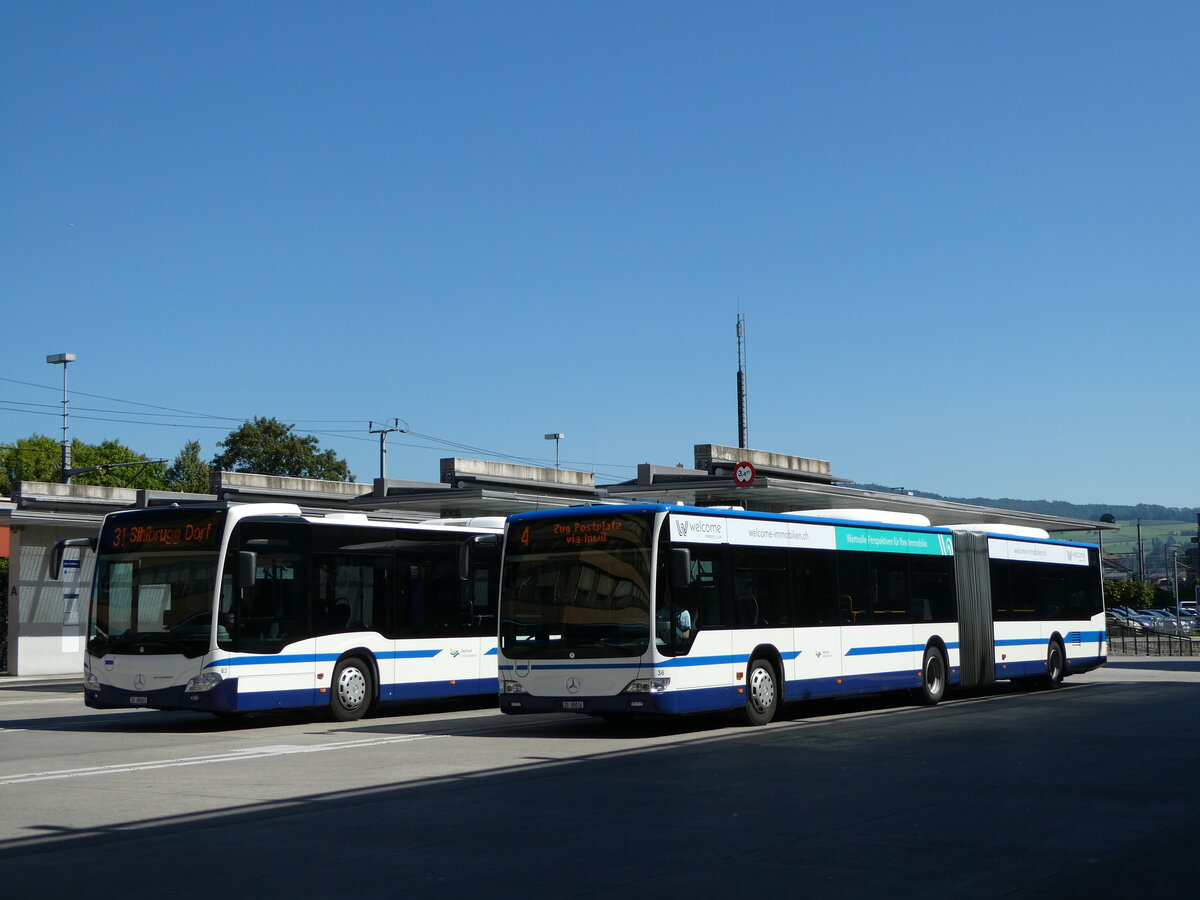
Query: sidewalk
[[25, 681], [1146, 668]]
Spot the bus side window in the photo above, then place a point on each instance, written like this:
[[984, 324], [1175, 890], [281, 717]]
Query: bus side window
[[350, 592], [761, 594], [854, 587], [429, 599], [933, 589], [814, 583], [707, 585], [893, 602]]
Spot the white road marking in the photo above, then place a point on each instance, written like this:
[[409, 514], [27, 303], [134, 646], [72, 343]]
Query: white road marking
[[231, 756], [41, 700]]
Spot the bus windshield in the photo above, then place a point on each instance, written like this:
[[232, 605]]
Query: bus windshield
[[155, 582], [154, 602], [576, 587]]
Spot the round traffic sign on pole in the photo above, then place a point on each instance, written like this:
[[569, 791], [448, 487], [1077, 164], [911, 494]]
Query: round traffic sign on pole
[[743, 474]]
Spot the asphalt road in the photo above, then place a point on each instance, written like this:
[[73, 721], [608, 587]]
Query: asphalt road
[[1087, 791]]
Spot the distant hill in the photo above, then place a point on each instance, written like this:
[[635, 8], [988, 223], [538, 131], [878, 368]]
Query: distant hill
[[1090, 511]]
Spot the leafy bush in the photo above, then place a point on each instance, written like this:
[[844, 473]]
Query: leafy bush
[[1134, 594]]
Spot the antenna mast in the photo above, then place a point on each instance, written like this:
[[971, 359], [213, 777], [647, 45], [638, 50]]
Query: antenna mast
[[743, 440]]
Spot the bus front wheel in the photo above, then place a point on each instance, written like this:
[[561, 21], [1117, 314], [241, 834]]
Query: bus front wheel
[[762, 693], [353, 690]]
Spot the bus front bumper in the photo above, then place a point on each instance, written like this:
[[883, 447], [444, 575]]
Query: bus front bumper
[[625, 704], [222, 698]]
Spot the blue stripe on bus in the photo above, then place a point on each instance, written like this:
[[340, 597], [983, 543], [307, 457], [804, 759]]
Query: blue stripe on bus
[[1074, 637], [715, 660], [680, 661], [895, 648], [673, 663], [316, 657], [574, 665], [409, 654]]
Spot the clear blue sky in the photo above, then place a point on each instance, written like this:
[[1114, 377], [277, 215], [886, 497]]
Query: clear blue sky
[[964, 236]]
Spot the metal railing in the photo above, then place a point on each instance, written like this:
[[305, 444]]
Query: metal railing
[[1124, 641]]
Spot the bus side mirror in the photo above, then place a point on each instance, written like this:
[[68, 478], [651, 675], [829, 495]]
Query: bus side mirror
[[471, 547], [56, 552], [247, 568], [681, 567]]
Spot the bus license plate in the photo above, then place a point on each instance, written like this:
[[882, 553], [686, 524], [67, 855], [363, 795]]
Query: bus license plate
[[572, 704], [138, 701]]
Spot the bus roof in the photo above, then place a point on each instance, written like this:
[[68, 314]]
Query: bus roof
[[854, 517]]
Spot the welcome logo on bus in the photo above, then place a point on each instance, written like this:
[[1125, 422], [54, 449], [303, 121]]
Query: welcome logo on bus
[[699, 529]]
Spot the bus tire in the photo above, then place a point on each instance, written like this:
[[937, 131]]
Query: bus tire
[[1055, 665], [933, 677], [353, 690], [762, 693]]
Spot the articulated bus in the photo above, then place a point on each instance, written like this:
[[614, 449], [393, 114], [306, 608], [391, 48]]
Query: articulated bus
[[228, 609], [618, 611]]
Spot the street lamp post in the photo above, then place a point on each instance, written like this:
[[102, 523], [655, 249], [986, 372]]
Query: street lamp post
[[1141, 554], [62, 359], [556, 437]]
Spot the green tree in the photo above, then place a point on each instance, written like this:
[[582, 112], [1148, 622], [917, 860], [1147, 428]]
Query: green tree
[[1133, 594], [35, 458], [268, 447], [39, 458], [189, 473]]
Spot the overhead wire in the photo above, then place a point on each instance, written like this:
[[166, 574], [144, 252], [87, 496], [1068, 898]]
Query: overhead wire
[[341, 434]]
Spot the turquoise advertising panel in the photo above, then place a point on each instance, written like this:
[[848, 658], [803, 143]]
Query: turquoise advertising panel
[[881, 541]]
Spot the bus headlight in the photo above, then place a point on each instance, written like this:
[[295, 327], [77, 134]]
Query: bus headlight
[[512, 687], [647, 685], [203, 682], [90, 681]]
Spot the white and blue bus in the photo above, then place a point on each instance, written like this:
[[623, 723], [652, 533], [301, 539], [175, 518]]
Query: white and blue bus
[[617, 611], [228, 609]]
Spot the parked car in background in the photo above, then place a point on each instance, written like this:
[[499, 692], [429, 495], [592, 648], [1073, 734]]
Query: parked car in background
[[1167, 622], [1114, 620], [1119, 617], [1187, 623]]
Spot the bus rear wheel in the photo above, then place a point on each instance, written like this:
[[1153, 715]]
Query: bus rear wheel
[[353, 690], [1055, 667], [933, 677], [762, 693]]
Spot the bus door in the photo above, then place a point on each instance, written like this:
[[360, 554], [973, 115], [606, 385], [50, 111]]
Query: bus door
[[816, 611], [693, 622], [272, 627]]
